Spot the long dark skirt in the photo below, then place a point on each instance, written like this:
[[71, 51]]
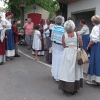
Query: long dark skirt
[[70, 86], [49, 55]]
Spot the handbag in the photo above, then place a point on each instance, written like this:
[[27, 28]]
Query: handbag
[[81, 55], [89, 50]]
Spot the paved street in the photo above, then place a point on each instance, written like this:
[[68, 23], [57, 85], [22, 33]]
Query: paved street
[[26, 79], [43, 58]]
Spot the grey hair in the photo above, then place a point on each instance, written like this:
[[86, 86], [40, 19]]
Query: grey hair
[[69, 26], [59, 20]]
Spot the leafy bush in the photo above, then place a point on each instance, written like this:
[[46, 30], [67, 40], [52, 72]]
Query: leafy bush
[[18, 25]]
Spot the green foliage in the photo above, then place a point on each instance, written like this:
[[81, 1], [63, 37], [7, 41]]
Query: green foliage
[[18, 25], [49, 5], [2, 10], [18, 29]]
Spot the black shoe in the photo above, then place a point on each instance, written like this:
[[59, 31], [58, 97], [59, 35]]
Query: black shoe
[[29, 48], [64, 91], [16, 55], [1, 63], [74, 92], [45, 50]]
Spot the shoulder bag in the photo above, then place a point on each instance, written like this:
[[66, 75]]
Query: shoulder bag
[[81, 55]]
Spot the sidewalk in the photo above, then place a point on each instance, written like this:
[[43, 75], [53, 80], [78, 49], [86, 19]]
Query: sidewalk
[[25, 50]]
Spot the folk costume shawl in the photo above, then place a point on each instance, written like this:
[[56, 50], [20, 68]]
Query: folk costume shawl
[[57, 33]]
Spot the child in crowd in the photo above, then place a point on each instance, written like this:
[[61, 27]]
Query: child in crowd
[[37, 41], [15, 33]]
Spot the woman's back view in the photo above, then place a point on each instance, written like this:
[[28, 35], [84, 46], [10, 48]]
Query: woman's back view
[[71, 74], [71, 41]]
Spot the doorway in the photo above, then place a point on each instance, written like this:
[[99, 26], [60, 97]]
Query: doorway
[[35, 18], [84, 15]]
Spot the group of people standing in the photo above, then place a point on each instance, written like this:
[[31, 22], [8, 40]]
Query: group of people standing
[[44, 32], [35, 36], [65, 43], [62, 40], [8, 38]]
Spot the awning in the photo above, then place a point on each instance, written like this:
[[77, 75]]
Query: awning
[[67, 1]]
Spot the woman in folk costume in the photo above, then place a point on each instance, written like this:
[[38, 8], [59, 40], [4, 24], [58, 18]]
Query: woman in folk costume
[[71, 74], [49, 54], [2, 43], [10, 47], [57, 48], [94, 64], [41, 52], [85, 34]]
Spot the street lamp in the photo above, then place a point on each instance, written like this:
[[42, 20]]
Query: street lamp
[[22, 13], [22, 31]]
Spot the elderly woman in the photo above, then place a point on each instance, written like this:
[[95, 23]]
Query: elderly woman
[[57, 47], [71, 74], [94, 65], [85, 34], [46, 31], [10, 47], [29, 32], [49, 54]]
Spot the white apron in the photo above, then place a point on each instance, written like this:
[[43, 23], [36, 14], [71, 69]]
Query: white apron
[[70, 70]]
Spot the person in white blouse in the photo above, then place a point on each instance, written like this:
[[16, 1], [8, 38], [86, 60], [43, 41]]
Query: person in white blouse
[[46, 31], [2, 43], [71, 74], [94, 64], [57, 48], [10, 47], [49, 54], [85, 34]]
